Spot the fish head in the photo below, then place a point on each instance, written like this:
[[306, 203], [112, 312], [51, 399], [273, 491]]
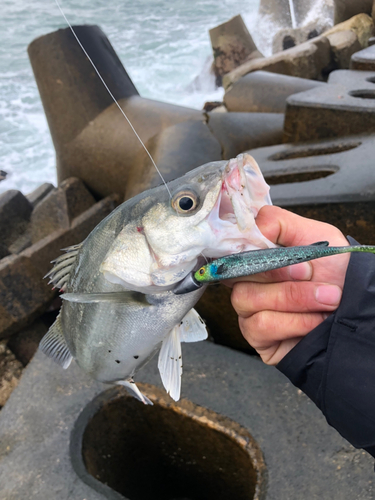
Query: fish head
[[207, 213]]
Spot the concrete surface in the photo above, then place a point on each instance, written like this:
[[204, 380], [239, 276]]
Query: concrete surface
[[305, 458]]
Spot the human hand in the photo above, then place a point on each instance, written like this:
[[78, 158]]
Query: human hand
[[278, 308]]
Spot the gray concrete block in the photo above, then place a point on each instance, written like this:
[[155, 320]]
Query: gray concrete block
[[343, 45], [39, 193], [364, 60], [15, 211], [332, 181], [237, 132], [305, 458], [23, 293], [353, 79], [265, 92], [344, 107], [307, 60], [232, 45]]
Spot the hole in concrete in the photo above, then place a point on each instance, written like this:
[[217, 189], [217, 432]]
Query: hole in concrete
[[166, 451], [371, 79], [312, 34], [298, 176], [363, 94], [306, 151], [288, 42]]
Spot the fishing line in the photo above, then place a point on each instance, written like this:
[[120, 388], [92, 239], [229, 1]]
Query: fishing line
[[113, 97], [117, 104]]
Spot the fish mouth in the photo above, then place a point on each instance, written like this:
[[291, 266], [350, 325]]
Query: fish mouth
[[243, 193]]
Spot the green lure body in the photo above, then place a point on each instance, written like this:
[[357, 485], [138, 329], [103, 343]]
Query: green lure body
[[257, 261]]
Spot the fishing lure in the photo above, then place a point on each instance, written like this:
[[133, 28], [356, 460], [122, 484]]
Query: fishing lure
[[258, 261]]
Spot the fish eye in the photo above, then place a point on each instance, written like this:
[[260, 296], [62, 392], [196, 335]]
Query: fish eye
[[184, 202]]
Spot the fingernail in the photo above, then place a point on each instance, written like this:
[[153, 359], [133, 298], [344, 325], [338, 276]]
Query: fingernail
[[301, 272], [330, 295]]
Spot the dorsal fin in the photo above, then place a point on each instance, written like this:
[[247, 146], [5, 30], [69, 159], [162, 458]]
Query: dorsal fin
[[59, 274], [54, 346]]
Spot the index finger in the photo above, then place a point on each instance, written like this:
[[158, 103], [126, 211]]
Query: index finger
[[288, 229]]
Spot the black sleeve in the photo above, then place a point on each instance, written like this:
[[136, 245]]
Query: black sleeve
[[335, 363]]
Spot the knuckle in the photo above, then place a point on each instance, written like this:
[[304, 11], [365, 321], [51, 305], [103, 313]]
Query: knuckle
[[259, 322], [241, 296], [295, 293]]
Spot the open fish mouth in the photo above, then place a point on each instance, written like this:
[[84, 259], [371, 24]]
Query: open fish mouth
[[243, 193]]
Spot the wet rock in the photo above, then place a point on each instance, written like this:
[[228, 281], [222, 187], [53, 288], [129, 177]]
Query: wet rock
[[371, 41], [362, 25], [343, 44], [24, 295], [341, 109], [24, 344], [307, 60], [59, 208], [364, 60], [265, 92], [3, 175], [232, 45], [345, 9], [237, 132], [15, 211], [39, 193], [10, 373]]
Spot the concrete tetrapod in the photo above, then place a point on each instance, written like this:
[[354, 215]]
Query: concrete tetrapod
[[52, 419], [97, 145], [265, 92], [332, 181], [91, 137], [343, 108], [345, 9], [364, 60], [232, 45]]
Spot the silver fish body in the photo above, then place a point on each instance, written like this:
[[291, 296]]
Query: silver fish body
[[119, 307]]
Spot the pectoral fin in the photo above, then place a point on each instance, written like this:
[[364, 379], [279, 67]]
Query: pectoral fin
[[192, 328], [54, 346], [112, 297]]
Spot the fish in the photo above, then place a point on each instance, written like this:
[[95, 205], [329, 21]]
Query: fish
[[119, 308], [257, 261]]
